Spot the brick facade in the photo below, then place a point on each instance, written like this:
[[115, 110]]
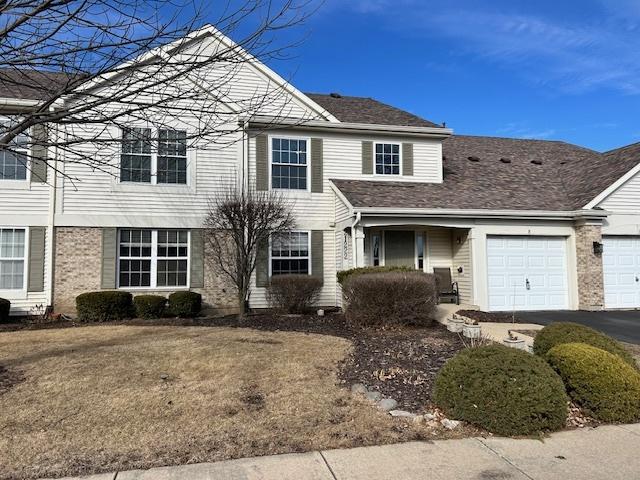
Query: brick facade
[[589, 266], [77, 269]]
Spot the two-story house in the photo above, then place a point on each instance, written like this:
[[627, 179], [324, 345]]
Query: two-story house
[[520, 223]]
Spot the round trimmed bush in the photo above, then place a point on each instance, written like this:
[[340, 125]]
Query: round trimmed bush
[[104, 306], [5, 307], [185, 304], [568, 332], [149, 306], [503, 390], [602, 383]]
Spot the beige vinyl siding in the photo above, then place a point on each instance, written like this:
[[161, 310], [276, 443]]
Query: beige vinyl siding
[[462, 258], [625, 199], [33, 199], [327, 294], [439, 251]]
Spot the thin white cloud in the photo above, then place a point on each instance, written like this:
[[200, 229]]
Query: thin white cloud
[[569, 55], [521, 130]]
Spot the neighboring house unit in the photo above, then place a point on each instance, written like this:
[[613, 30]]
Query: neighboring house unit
[[519, 222]]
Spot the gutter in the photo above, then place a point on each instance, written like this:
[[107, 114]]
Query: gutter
[[269, 122], [489, 214]]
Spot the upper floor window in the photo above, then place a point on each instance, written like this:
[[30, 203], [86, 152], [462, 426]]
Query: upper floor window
[[289, 167], [140, 164], [12, 258], [290, 253], [153, 258], [14, 160], [387, 159]]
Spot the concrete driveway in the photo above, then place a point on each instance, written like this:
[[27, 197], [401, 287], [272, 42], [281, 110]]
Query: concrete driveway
[[622, 325]]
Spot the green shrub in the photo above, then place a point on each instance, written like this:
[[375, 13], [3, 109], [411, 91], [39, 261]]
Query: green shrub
[[567, 332], [504, 390], [345, 274], [149, 306], [185, 304], [104, 306], [5, 307], [390, 299], [293, 293], [602, 383]]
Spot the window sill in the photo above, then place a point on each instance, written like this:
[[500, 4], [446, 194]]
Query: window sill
[[149, 188], [13, 294], [15, 185], [154, 289]]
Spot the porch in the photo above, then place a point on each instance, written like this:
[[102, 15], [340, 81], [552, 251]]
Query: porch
[[416, 246]]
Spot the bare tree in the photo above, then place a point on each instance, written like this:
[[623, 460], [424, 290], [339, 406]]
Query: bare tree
[[238, 225], [96, 66]]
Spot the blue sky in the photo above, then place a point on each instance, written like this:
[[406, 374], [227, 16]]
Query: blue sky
[[557, 70]]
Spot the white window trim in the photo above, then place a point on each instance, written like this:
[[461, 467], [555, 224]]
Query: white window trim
[[19, 184], [154, 262], [153, 185], [309, 257], [400, 159], [19, 293], [308, 165]]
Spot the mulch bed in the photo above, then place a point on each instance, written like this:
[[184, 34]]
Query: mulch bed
[[496, 317], [399, 363]]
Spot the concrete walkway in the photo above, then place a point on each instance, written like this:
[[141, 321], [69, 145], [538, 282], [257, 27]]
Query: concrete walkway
[[609, 452]]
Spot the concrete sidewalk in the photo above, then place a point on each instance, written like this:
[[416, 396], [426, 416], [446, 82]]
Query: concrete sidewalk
[[609, 452]]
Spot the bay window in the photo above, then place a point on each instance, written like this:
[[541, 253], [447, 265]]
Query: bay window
[[153, 258], [12, 258]]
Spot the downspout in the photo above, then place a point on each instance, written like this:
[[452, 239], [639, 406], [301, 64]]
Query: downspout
[[51, 221], [353, 239]]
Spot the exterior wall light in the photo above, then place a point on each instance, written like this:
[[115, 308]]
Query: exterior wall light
[[598, 248]]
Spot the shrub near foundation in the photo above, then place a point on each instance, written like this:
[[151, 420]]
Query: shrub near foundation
[[5, 307], [501, 389], [600, 382], [104, 306], [343, 275], [149, 306], [568, 332], [185, 304], [293, 293], [390, 299]]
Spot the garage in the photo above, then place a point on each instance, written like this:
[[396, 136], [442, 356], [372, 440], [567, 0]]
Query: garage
[[621, 267], [527, 273]]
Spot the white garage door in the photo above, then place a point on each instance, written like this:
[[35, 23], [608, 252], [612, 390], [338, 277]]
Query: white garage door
[[527, 273], [621, 263]]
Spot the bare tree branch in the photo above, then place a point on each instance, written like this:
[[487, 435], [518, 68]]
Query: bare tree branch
[[96, 68], [239, 224]]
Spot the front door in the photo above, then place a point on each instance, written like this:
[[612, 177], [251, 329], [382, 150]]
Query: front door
[[399, 248]]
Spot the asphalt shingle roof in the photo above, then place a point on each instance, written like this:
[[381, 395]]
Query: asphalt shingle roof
[[509, 174], [367, 110], [30, 84]]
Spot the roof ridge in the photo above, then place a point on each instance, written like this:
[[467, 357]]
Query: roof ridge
[[624, 147], [520, 139]]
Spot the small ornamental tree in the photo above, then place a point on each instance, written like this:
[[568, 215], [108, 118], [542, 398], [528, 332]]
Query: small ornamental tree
[[238, 223]]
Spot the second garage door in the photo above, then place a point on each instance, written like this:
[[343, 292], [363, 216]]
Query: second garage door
[[527, 273], [621, 265]]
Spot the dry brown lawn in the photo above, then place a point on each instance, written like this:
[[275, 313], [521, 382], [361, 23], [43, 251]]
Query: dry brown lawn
[[95, 399]]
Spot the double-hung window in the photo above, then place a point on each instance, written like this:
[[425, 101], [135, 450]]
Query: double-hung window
[[12, 258], [153, 258], [289, 164], [290, 253], [14, 159], [140, 162], [387, 156]]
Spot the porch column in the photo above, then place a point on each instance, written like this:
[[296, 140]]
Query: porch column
[[358, 246]]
